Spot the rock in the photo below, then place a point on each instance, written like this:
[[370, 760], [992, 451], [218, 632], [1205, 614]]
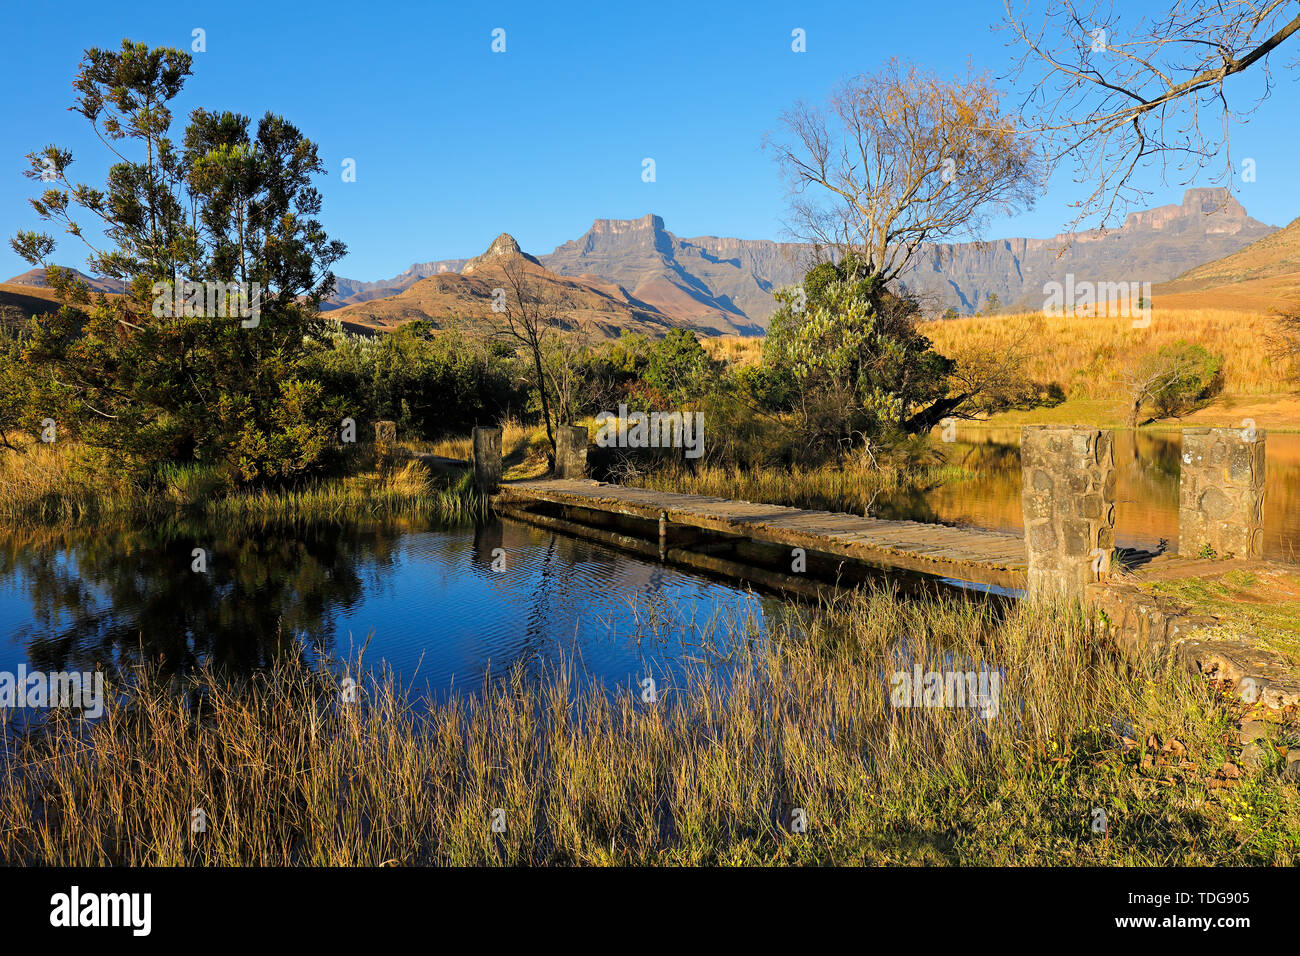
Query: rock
[[1253, 755], [1252, 730], [1292, 770]]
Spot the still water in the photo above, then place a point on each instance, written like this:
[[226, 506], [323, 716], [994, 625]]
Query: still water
[[1146, 506], [443, 608]]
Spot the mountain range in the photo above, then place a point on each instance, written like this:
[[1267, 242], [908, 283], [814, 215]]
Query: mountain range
[[465, 299], [725, 285], [634, 274]]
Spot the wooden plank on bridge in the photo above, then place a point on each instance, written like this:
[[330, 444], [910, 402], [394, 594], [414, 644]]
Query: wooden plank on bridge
[[968, 554]]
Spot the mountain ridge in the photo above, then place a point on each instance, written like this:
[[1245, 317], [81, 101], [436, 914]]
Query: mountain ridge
[[720, 282], [725, 285]]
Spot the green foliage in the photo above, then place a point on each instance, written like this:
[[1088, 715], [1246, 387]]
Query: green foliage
[[848, 353], [678, 366], [431, 385], [137, 377], [1194, 376]]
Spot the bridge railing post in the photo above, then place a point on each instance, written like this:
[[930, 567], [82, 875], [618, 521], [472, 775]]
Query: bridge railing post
[[1068, 499], [1221, 493], [571, 451], [487, 458]]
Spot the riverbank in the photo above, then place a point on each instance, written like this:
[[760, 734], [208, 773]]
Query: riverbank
[[64, 484], [807, 756], [1275, 413]]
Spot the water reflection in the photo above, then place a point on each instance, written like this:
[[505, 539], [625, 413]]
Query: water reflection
[[441, 607], [1146, 508]]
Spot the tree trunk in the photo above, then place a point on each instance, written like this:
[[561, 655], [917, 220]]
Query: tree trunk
[[927, 418]]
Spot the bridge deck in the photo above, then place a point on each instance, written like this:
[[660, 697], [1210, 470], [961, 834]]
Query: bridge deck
[[984, 557]]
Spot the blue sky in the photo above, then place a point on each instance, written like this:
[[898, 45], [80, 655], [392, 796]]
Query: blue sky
[[454, 143]]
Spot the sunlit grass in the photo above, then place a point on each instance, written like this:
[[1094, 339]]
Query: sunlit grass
[[1262, 606], [64, 484], [851, 487], [287, 772], [1084, 354]]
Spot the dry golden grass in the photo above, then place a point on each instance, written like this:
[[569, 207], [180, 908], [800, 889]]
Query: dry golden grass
[[1083, 354], [851, 487], [287, 771], [737, 351], [66, 483], [523, 449]]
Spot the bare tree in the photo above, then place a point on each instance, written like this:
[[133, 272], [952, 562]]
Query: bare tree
[[1109, 92], [900, 158], [990, 374], [531, 313], [1284, 342], [564, 363]]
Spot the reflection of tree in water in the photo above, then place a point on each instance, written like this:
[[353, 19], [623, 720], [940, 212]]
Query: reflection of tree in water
[[996, 470], [1149, 468], [117, 597]]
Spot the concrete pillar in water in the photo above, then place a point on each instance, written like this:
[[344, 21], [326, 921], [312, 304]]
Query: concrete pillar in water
[[571, 451], [487, 458], [1221, 493], [1068, 499]]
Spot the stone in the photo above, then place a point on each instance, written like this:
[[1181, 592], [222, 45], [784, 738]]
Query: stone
[[1067, 500], [1221, 492], [1252, 730], [487, 458], [571, 451], [1292, 769], [1253, 755]]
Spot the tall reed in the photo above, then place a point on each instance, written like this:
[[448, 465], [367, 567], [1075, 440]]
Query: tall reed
[[796, 753]]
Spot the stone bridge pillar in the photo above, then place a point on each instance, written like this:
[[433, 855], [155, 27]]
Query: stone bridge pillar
[[571, 451], [1068, 498], [487, 458], [1221, 493]]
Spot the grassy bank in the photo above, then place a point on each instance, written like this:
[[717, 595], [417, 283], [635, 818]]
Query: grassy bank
[[1086, 354], [1263, 606], [851, 487], [286, 772], [65, 484]]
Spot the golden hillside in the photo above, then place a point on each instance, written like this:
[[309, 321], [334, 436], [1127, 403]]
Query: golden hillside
[[1265, 276], [464, 300]]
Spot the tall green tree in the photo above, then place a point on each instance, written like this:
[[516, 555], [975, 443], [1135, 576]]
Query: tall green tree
[[852, 357], [223, 262]]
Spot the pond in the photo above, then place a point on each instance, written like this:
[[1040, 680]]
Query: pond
[[1146, 505], [441, 607]]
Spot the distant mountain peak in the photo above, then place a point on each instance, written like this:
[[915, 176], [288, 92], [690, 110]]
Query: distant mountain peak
[[1228, 215], [503, 246], [647, 223], [726, 285]]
